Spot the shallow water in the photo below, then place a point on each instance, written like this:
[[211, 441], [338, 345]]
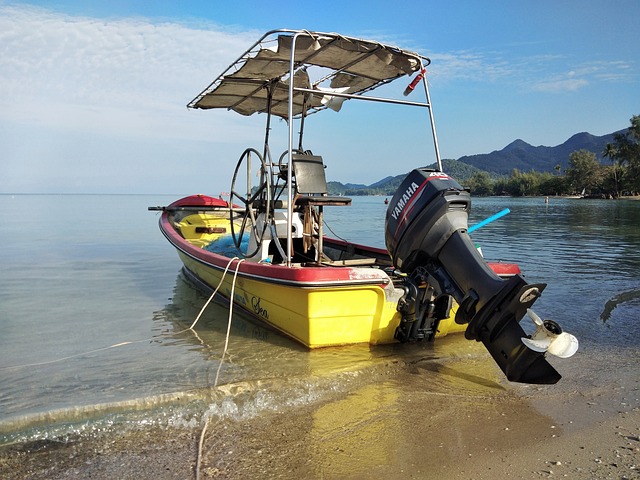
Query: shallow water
[[93, 310]]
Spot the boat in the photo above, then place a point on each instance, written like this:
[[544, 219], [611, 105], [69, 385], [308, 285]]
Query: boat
[[264, 247], [580, 195]]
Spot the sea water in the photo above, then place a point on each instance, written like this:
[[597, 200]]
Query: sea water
[[94, 310]]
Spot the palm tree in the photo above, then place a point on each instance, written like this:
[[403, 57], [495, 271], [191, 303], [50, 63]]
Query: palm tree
[[611, 152]]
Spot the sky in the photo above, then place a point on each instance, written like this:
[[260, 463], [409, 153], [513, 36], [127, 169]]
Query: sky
[[93, 94]]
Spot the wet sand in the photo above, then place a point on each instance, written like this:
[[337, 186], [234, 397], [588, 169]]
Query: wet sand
[[389, 424]]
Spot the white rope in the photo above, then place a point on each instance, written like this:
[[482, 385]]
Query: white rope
[[131, 342], [224, 352], [48, 362], [200, 446], [216, 291], [226, 340]]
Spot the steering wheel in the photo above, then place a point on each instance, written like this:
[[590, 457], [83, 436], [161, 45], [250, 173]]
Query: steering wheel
[[251, 189]]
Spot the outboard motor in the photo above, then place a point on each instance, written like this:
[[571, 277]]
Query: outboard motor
[[426, 235]]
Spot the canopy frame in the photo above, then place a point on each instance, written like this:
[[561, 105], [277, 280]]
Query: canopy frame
[[272, 74]]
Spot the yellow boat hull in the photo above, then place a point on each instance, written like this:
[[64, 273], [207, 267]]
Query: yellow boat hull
[[316, 316], [316, 306]]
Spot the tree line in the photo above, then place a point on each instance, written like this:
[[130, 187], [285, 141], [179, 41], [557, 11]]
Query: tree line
[[585, 175]]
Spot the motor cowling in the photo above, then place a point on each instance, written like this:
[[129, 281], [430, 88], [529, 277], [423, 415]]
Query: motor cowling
[[426, 235]]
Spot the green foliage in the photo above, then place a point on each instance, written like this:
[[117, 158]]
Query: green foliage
[[624, 154], [480, 183], [584, 171], [551, 185]]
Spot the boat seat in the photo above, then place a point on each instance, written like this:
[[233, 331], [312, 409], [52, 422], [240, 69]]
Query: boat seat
[[311, 192], [311, 183], [352, 262]]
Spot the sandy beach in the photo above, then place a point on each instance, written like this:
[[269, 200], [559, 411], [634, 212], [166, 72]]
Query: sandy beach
[[389, 423]]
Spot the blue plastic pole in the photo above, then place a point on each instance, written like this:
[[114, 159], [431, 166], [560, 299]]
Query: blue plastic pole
[[498, 215]]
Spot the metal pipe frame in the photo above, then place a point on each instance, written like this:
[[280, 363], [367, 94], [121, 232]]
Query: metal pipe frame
[[362, 97], [290, 116]]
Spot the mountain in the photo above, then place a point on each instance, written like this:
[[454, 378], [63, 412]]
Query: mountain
[[388, 185], [517, 155], [356, 186], [525, 157], [381, 183], [459, 170]]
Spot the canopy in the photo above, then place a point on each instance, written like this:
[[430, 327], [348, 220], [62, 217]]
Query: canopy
[[348, 66]]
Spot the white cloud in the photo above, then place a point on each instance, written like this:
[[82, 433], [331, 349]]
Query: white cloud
[[583, 75], [78, 94], [468, 65], [559, 85], [539, 73], [125, 77], [100, 105]]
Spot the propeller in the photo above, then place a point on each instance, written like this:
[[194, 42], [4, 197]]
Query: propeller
[[550, 338]]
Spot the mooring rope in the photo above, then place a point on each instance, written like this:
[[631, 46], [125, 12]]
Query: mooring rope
[[200, 446], [131, 342], [69, 357], [226, 340], [216, 291], [120, 344], [331, 230], [224, 352]]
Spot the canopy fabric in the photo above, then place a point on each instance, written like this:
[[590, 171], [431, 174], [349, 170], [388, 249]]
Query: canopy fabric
[[348, 65]]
